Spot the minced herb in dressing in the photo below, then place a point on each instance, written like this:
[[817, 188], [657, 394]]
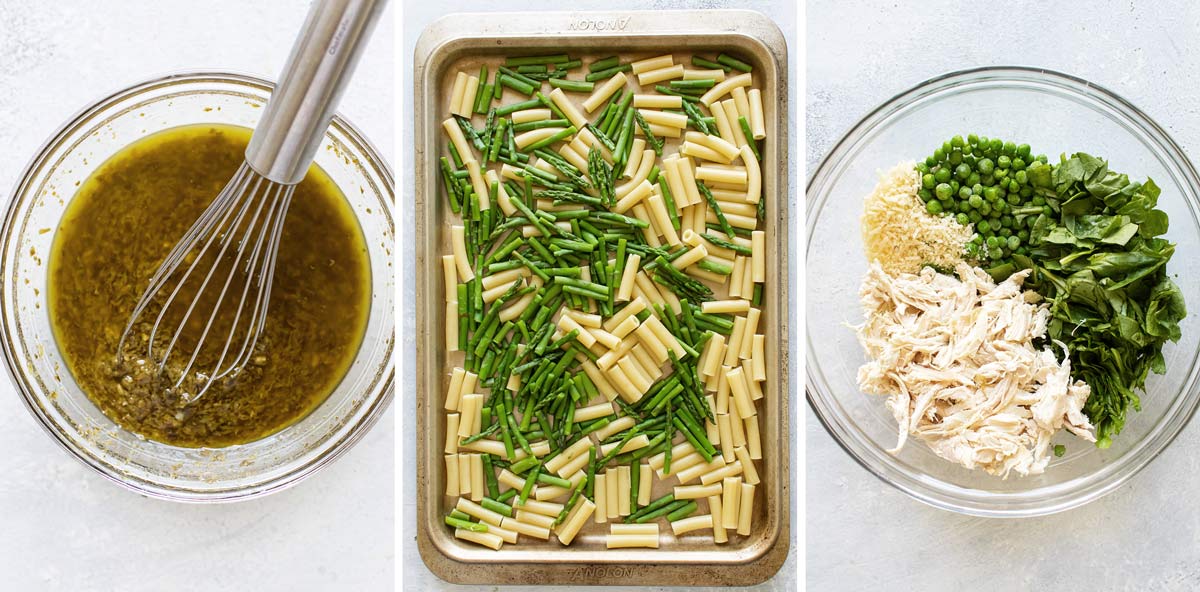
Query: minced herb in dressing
[[118, 228]]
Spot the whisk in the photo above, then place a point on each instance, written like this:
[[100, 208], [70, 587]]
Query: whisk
[[226, 261]]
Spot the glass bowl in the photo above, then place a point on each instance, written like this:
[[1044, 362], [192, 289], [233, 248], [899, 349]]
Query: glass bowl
[[1054, 113], [38, 370]]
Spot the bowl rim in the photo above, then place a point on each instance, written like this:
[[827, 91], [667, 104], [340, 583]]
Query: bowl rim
[[336, 448], [1062, 501]]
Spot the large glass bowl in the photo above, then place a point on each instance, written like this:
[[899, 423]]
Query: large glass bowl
[[38, 370], [1054, 113]]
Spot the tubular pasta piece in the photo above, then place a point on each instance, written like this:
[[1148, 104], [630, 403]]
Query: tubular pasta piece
[[749, 473], [724, 87], [559, 98], [730, 502], [622, 541], [661, 74], [731, 113], [757, 122], [655, 101], [486, 539], [758, 256], [696, 491], [575, 520], [715, 510], [459, 243], [753, 175], [604, 91], [452, 474], [654, 63], [745, 509], [691, 523]]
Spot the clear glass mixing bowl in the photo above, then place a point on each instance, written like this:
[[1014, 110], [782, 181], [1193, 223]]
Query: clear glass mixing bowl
[[1054, 113], [38, 370]]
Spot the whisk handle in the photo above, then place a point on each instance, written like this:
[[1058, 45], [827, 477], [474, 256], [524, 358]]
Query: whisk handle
[[317, 70]]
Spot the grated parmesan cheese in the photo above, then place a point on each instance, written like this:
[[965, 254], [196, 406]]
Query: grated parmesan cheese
[[900, 234]]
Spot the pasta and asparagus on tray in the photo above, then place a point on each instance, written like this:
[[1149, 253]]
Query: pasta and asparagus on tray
[[603, 292]]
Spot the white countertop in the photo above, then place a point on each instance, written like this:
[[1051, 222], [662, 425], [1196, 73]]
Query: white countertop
[[62, 526], [865, 535], [416, 16]]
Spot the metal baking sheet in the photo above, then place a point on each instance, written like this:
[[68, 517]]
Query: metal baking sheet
[[464, 41]]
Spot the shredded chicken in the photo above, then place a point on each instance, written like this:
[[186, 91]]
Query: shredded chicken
[[957, 362]]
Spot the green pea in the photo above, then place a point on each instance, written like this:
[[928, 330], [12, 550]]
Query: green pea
[[942, 175], [962, 172], [1000, 174], [1010, 148], [975, 201], [939, 155], [1039, 200], [964, 193], [984, 226], [922, 168], [1013, 186], [927, 181], [996, 145], [1014, 199], [1018, 164], [976, 188], [975, 216], [954, 186], [1004, 161], [963, 206], [925, 194], [984, 209], [933, 207], [1047, 211], [986, 166], [947, 147], [962, 219], [972, 139], [993, 242], [955, 158], [976, 238], [1023, 234], [956, 141], [947, 204], [930, 162], [1026, 191], [1043, 159], [1021, 250], [1021, 177], [942, 191], [991, 194], [1006, 221], [974, 180], [1023, 151], [1013, 243]]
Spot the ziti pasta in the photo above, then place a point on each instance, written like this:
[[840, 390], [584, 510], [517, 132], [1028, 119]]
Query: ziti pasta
[[603, 292]]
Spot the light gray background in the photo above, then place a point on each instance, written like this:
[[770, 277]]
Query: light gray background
[[865, 535], [416, 16], [63, 527]]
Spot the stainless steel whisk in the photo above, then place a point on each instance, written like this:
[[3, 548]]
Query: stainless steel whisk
[[249, 213]]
